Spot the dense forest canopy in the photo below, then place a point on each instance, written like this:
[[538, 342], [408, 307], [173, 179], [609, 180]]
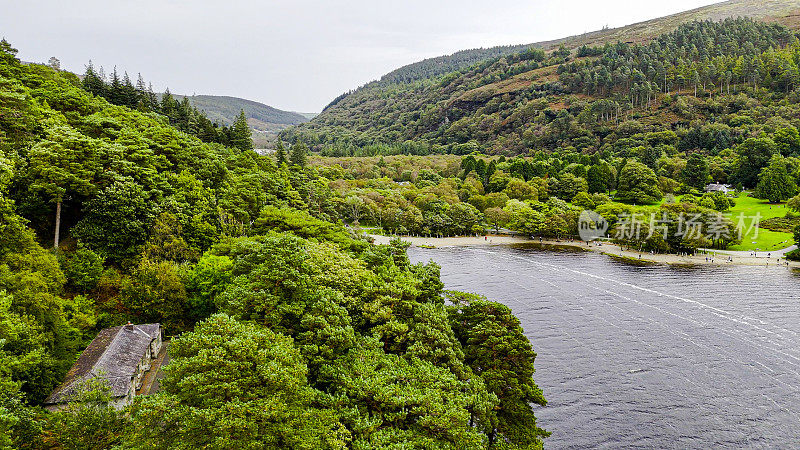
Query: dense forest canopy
[[288, 329]]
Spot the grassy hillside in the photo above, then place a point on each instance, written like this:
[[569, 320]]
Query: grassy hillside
[[261, 117]]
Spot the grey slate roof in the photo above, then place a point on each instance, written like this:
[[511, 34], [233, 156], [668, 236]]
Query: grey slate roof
[[113, 356], [713, 187]]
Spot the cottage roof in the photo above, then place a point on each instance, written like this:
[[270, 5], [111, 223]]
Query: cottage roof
[[112, 356]]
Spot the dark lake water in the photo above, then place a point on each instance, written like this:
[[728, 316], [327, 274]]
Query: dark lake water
[[648, 355]]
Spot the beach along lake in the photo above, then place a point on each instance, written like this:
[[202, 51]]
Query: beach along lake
[[647, 355]]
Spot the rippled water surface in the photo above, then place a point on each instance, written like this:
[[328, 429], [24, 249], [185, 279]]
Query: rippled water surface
[[648, 355]]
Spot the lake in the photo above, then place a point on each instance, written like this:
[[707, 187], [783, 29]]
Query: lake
[[649, 355]]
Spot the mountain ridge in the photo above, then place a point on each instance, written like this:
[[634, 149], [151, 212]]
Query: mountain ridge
[[261, 117], [785, 12], [535, 100]]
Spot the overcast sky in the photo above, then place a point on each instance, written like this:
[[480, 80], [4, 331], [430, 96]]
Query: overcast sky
[[295, 55]]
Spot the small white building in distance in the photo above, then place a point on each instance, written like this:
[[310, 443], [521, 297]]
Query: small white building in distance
[[119, 356], [716, 187]]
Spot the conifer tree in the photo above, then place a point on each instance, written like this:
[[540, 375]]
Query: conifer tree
[[92, 81], [169, 106], [129, 97], [298, 154], [774, 182], [63, 166], [206, 130], [115, 90], [496, 348], [240, 133], [490, 170], [184, 114], [696, 173], [141, 94], [141, 87], [280, 154], [151, 98]]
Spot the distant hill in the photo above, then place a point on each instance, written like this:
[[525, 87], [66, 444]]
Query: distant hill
[[308, 116], [786, 12], [260, 117]]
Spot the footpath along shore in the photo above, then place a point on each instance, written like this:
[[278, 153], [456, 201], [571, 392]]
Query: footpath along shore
[[716, 257]]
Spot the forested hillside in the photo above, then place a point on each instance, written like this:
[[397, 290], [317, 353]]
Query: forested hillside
[[731, 76], [785, 12], [433, 67], [260, 117], [287, 330]]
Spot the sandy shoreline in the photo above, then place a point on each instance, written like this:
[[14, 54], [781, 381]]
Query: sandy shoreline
[[719, 258]]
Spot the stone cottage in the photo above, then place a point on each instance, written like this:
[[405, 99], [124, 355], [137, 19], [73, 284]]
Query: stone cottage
[[119, 356]]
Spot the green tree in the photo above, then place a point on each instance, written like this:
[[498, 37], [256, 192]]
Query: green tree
[[83, 269], [638, 184], [568, 186], [88, 422], [696, 173], [117, 221], [298, 154], [23, 359], [523, 218], [465, 218], [480, 169], [418, 403], [794, 203], [491, 168], [583, 200], [205, 281], [520, 190], [787, 140], [649, 156], [37, 340], [169, 106], [280, 154], [156, 293], [600, 178], [774, 182], [497, 217], [92, 82], [241, 136], [497, 350], [166, 242], [63, 166], [300, 223], [754, 154], [231, 384]]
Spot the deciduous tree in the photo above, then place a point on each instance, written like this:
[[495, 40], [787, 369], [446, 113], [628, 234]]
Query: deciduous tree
[[774, 182]]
